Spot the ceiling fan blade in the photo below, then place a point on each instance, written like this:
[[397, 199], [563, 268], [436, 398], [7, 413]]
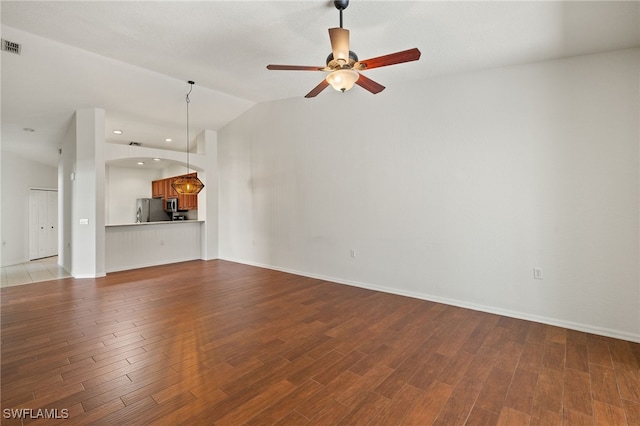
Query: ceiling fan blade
[[370, 85], [339, 43], [319, 88], [391, 59], [293, 68]]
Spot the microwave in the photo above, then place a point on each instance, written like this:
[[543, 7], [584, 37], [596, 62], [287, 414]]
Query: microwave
[[171, 205]]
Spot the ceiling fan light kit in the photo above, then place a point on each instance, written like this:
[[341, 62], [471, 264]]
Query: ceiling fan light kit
[[343, 65], [342, 80]]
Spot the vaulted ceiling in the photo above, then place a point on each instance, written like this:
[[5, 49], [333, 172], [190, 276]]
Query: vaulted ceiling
[[133, 58]]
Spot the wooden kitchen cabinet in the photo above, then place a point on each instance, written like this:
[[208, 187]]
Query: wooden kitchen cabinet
[[162, 188], [157, 189], [168, 189]]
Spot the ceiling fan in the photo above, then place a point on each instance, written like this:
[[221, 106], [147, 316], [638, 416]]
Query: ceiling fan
[[343, 65]]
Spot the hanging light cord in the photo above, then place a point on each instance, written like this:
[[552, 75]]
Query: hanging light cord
[[188, 100], [189, 183]]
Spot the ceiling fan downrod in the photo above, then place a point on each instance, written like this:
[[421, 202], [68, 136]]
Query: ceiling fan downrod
[[341, 5]]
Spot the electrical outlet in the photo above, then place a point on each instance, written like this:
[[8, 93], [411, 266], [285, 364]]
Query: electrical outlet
[[537, 273], [353, 253]]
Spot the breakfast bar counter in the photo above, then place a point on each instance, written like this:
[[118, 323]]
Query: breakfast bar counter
[[138, 245]]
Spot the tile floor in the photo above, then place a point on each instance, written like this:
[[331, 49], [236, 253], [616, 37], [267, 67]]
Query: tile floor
[[31, 272]]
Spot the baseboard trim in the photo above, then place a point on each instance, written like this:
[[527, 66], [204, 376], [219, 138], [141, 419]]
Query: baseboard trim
[[587, 328], [85, 276]]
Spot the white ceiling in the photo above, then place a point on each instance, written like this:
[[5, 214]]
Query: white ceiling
[[133, 58]]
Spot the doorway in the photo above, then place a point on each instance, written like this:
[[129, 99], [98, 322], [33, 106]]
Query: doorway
[[43, 223]]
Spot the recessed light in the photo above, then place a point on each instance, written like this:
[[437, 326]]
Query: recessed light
[[28, 129], [156, 159], [140, 163], [168, 140], [117, 132]]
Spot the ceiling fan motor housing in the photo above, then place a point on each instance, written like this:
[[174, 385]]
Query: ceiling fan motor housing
[[341, 4], [332, 64]]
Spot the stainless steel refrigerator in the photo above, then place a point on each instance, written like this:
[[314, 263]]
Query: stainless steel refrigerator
[[150, 210]]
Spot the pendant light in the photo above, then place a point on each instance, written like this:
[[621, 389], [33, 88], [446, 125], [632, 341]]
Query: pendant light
[[189, 185]]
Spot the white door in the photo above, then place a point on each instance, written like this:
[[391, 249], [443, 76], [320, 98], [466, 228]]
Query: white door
[[51, 240], [43, 223], [34, 224]]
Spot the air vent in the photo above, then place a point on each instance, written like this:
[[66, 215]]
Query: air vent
[[10, 46], [132, 143]]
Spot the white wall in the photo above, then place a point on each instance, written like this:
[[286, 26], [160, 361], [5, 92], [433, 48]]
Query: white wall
[[18, 175], [150, 244], [88, 196], [453, 189], [123, 186], [66, 168], [208, 205]]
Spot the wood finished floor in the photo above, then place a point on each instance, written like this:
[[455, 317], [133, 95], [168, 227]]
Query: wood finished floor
[[215, 342]]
